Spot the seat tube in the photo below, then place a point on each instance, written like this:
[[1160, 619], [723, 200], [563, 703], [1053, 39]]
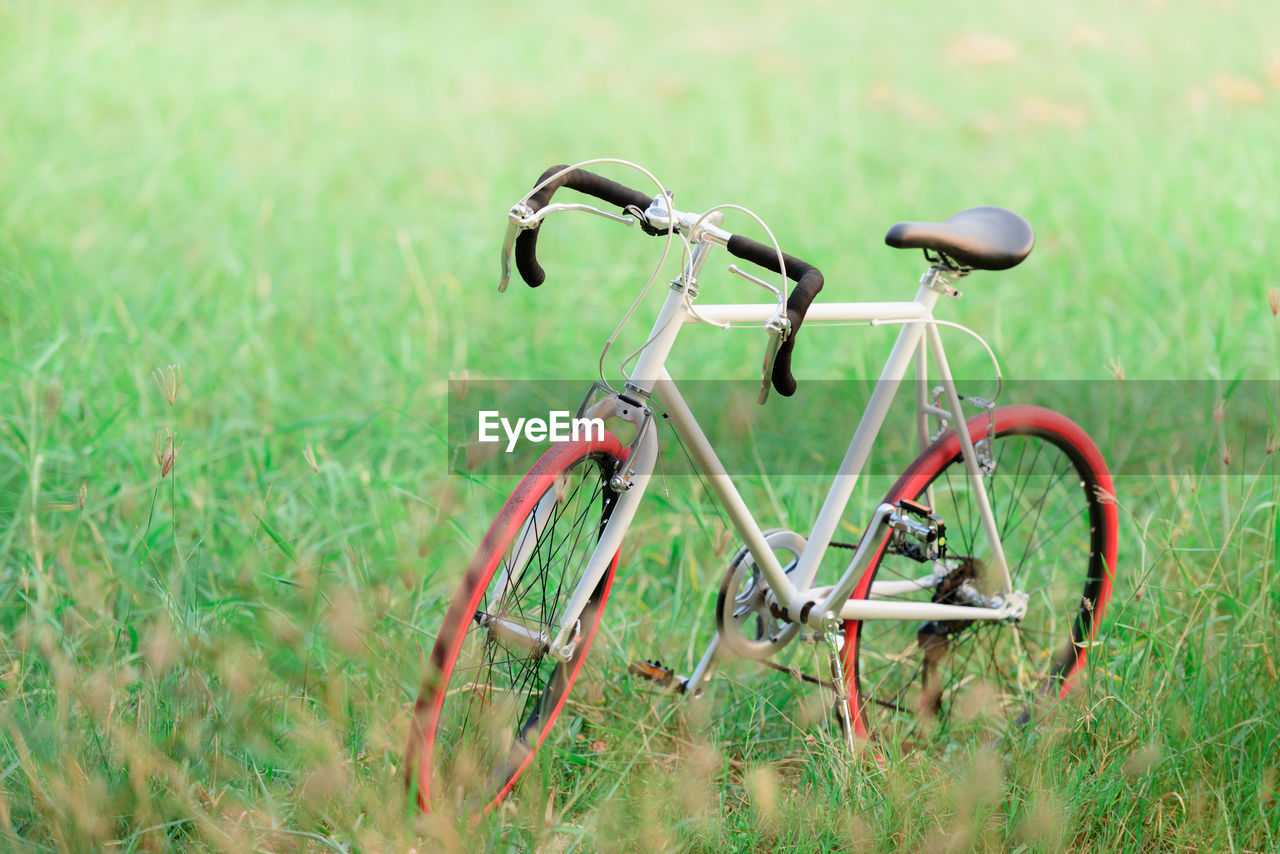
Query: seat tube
[[895, 368], [922, 391], [922, 403]]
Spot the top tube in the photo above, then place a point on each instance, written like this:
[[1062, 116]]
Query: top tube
[[819, 311]]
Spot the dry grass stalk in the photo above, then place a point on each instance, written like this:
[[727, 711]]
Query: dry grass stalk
[[168, 380]]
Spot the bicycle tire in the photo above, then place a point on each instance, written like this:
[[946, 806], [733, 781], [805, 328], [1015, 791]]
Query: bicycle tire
[[488, 702], [1054, 502]]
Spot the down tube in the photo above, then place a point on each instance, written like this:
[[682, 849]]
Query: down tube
[[704, 456]]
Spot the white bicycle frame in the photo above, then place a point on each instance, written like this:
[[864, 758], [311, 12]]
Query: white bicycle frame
[[793, 595]]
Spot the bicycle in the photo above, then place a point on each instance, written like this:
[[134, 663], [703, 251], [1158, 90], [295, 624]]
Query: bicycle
[[983, 575]]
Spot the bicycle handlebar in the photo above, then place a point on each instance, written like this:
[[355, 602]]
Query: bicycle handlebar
[[807, 277], [582, 181]]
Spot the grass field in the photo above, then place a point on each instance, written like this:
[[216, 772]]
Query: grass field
[[244, 246]]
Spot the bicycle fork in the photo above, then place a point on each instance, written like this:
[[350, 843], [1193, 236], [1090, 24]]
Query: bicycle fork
[[629, 483]]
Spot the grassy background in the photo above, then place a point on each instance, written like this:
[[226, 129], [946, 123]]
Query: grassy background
[[301, 205]]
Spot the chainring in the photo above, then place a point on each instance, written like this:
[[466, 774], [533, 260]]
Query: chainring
[[743, 620]]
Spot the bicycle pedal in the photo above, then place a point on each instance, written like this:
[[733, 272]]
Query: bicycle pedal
[[918, 534], [655, 671]]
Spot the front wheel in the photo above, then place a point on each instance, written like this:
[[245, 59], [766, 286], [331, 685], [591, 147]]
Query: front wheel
[[1053, 502], [493, 689]]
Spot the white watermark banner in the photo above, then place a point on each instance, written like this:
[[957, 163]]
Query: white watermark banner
[[1170, 427]]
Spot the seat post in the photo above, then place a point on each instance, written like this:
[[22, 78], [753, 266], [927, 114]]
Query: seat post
[[939, 276]]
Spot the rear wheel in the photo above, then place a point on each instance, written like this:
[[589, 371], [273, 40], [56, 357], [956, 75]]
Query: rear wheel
[[1053, 503], [493, 689]]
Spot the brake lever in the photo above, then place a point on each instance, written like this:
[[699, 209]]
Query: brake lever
[[522, 218], [518, 220], [779, 328]]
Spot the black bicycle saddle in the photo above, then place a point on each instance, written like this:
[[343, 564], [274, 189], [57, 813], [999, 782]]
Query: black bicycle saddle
[[985, 238]]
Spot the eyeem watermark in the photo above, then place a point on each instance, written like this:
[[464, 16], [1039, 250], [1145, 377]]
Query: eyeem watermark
[[556, 427]]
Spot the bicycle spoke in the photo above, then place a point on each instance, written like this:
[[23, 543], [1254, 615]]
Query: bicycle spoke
[[503, 690], [1044, 521]]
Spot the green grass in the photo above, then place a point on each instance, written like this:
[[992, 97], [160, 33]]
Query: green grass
[[301, 206]]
